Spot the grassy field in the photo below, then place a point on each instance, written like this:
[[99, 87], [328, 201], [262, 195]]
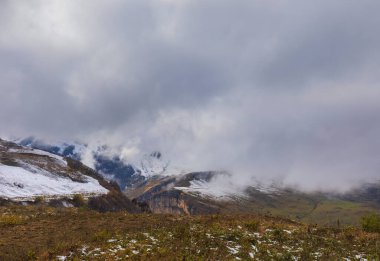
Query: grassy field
[[43, 233]]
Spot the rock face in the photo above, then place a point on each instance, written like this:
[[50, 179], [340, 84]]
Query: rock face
[[178, 202], [161, 196]]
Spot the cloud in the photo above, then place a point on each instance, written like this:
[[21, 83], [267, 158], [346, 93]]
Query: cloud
[[260, 88]]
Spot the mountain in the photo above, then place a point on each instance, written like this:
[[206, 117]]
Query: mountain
[[28, 174], [110, 167], [258, 222], [155, 185], [73, 150], [198, 193]]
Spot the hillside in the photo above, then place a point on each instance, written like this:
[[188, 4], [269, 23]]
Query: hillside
[[108, 163], [196, 194], [110, 167], [31, 176], [26, 173]]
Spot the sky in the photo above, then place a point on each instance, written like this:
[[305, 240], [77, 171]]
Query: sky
[[262, 89]]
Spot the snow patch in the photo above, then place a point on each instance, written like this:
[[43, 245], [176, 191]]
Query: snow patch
[[211, 189], [156, 164], [59, 159], [17, 182]]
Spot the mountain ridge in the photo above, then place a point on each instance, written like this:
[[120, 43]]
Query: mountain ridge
[[194, 193]]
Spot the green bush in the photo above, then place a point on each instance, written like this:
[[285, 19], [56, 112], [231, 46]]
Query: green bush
[[371, 223]]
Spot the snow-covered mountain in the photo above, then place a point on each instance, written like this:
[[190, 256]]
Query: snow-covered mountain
[[153, 164], [154, 184], [150, 166], [110, 165], [27, 173], [72, 149], [156, 164]]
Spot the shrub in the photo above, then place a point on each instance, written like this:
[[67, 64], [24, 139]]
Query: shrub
[[349, 233], [78, 200], [253, 225], [371, 223], [102, 235], [279, 235], [39, 199], [31, 255]]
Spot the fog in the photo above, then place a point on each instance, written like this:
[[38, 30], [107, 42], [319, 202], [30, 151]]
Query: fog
[[284, 90]]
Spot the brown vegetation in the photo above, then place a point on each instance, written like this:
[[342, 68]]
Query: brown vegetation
[[43, 233]]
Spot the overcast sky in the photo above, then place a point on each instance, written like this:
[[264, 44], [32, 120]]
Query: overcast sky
[[266, 88]]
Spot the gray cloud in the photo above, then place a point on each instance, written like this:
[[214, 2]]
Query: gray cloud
[[261, 88]]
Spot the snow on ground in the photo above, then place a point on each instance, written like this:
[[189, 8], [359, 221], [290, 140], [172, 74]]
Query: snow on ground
[[212, 189], [221, 186], [17, 182], [152, 166], [51, 155], [59, 159]]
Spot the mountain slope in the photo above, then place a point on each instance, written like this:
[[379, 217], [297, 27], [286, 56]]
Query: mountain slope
[[196, 193], [155, 185], [110, 167], [27, 173]]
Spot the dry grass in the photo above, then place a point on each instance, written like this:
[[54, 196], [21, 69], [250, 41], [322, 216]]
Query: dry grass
[[43, 233], [11, 220]]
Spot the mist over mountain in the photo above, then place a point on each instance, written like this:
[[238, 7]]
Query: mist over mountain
[[263, 90], [111, 164], [189, 130]]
